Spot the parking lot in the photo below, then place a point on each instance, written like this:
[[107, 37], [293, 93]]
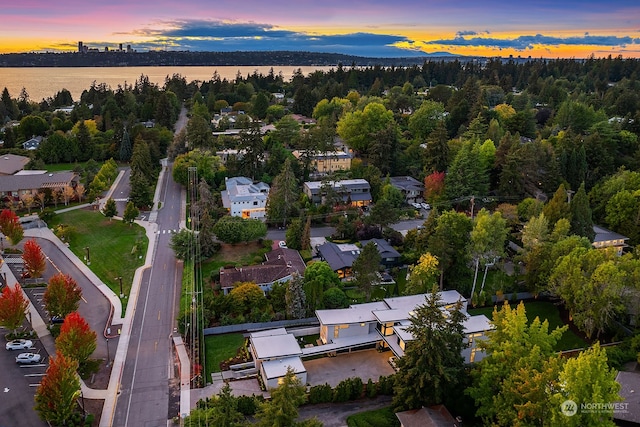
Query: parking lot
[[18, 385]]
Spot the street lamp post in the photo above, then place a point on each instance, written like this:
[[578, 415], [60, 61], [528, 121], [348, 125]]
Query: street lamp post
[[88, 257], [121, 293], [108, 356]]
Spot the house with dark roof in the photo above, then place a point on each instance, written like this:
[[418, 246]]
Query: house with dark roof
[[607, 239], [340, 257], [14, 186], [411, 188], [389, 257], [354, 192], [628, 413], [12, 163], [280, 266]]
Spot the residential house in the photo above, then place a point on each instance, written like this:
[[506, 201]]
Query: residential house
[[411, 188], [353, 192], [323, 163], [14, 186], [433, 416], [390, 318], [389, 257], [340, 257], [274, 351], [280, 266], [12, 163], [607, 239], [32, 144], [244, 198]]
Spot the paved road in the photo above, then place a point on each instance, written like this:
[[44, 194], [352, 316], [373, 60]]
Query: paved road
[[335, 414], [146, 398]]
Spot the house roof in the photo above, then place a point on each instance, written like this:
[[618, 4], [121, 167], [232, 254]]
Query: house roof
[[36, 182], [604, 235], [410, 302], [384, 248], [477, 323], [354, 314], [338, 256], [240, 188], [273, 346], [279, 264], [406, 183], [12, 163], [630, 393], [33, 143], [346, 184], [433, 416], [278, 368]]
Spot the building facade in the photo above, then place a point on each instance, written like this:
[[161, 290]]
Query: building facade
[[244, 198]]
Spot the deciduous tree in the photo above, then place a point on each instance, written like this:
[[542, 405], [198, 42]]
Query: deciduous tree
[[10, 226], [34, 260], [57, 394], [110, 209], [62, 296], [76, 339], [13, 305], [423, 276], [232, 229], [365, 268], [131, 212]]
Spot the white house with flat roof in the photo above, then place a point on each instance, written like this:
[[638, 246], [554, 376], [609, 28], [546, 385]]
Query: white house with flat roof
[[244, 198], [274, 351]]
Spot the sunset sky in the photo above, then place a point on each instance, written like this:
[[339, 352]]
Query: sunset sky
[[375, 28]]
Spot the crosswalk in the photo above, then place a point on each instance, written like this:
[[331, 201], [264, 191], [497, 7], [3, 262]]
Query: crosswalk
[[168, 231]]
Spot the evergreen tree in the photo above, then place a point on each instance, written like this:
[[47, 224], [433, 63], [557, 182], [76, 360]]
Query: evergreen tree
[[432, 366], [558, 207], [125, 147], [282, 409], [436, 152], [283, 195], [295, 298], [141, 160], [581, 217], [365, 269]]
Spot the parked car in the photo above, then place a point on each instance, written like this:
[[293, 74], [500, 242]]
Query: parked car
[[19, 344], [56, 320], [28, 358], [425, 206], [282, 244], [416, 205]]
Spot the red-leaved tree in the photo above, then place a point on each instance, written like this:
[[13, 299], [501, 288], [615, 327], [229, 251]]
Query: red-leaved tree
[[13, 305], [62, 296], [58, 392], [76, 339], [34, 259], [434, 186], [10, 226]]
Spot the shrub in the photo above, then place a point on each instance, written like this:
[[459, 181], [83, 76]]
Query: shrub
[[372, 389], [385, 385], [248, 405], [320, 394]]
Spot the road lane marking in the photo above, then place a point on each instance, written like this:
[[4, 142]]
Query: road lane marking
[[85, 301]]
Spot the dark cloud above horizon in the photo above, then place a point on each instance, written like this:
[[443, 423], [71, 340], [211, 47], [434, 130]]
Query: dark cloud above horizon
[[202, 35], [525, 42]]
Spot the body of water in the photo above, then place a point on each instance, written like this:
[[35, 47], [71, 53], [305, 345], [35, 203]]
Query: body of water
[[42, 83]]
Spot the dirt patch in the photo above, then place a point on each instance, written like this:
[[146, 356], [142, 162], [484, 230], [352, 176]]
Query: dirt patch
[[238, 252], [100, 379], [94, 407]]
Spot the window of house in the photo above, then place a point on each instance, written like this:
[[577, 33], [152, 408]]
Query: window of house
[[255, 203]]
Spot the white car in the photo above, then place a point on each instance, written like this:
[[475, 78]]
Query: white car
[[28, 358], [19, 344], [425, 206], [416, 205], [282, 244]]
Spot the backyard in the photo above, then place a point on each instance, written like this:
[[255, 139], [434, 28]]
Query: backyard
[[545, 311]]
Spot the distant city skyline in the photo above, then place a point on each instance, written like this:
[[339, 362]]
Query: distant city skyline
[[545, 28]]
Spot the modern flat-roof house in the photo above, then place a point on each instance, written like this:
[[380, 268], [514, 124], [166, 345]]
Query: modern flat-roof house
[[326, 162], [274, 351], [607, 239], [390, 318], [280, 266], [244, 198], [12, 163], [354, 192], [411, 188], [13, 186]]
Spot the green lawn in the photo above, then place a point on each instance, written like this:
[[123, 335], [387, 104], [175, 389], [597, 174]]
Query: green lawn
[[220, 348], [115, 249], [545, 311], [383, 417]]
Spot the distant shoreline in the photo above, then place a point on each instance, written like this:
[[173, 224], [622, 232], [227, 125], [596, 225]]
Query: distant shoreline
[[186, 58]]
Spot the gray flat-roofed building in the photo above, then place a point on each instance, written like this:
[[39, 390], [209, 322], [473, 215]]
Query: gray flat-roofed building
[[273, 370], [273, 351]]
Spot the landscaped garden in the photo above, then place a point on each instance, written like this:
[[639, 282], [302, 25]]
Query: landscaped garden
[[115, 249], [383, 417], [219, 348]]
